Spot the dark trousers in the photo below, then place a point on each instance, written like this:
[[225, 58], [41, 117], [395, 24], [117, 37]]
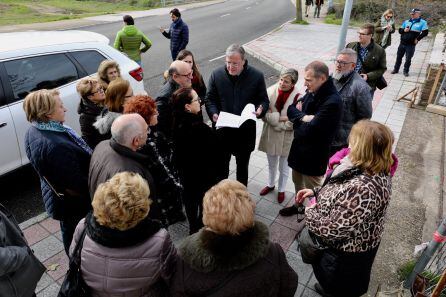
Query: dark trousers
[[67, 228], [193, 203], [407, 50], [317, 10], [242, 160]]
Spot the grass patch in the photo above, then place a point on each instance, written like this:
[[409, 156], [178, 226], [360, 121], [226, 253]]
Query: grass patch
[[332, 20], [303, 22], [13, 12]]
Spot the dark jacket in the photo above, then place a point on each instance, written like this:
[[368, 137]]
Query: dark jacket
[[232, 94], [160, 162], [247, 265], [198, 167], [164, 107], [418, 30], [88, 112], [19, 268], [55, 156], [357, 100], [110, 158], [310, 147], [179, 37], [374, 64]]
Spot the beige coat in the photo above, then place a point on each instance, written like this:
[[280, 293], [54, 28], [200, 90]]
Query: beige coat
[[277, 136]]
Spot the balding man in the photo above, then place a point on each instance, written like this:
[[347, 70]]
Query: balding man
[[315, 121], [120, 153], [180, 75]]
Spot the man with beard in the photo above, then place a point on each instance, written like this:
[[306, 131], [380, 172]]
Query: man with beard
[[356, 96]]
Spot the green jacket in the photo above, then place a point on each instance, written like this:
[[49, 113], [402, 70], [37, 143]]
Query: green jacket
[[375, 62], [128, 40]]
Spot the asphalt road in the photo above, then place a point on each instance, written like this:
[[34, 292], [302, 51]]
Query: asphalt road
[[212, 29]]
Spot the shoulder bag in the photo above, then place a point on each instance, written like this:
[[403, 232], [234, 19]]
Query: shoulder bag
[[74, 285]]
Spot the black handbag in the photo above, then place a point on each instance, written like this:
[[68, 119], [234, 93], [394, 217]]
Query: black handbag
[[381, 83], [310, 247], [74, 285]]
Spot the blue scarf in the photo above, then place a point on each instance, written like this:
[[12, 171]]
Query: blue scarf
[[362, 54], [58, 127]]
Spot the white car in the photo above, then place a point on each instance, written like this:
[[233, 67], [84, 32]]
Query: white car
[[36, 60]]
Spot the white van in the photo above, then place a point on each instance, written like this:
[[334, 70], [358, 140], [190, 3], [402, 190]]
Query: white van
[[36, 60]]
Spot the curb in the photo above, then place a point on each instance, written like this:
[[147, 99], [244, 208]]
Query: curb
[[34, 220]]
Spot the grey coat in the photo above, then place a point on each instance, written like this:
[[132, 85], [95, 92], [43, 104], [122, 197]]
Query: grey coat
[[19, 268], [134, 271], [357, 101]]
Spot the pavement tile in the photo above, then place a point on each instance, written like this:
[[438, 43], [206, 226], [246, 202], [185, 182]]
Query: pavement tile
[[272, 197], [47, 248], [50, 291], [268, 209], [254, 187], [61, 260], [300, 288], [303, 270], [309, 293], [35, 233], [282, 235], [44, 282], [266, 221], [51, 225], [58, 235]]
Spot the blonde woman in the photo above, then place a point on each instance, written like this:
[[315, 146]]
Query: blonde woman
[[124, 252], [277, 133], [108, 71], [384, 28], [232, 255], [118, 91], [60, 157], [90, 107], [349, 214]]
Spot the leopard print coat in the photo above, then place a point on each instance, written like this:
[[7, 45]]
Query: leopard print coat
[[350, 210]]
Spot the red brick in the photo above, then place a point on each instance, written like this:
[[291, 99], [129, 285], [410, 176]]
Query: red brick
[[51, 225], [35, 233]]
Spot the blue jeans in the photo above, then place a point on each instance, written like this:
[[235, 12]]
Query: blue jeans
[[407, 50]]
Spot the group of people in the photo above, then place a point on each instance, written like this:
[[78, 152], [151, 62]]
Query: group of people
[[129, 39], [139, 161]]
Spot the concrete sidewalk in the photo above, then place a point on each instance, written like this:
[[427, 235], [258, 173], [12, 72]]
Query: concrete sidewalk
[[101, 19]]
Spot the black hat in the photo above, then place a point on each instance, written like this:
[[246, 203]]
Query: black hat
[[415, 10]]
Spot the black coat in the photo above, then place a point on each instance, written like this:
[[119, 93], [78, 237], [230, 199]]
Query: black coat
[[246, 265], [232, 94], [179, 37], [88, 112], [55, 156], [164, 107], [195, 153], [309, 151]]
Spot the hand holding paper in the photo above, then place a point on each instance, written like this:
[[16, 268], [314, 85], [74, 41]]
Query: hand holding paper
[[226, 119]]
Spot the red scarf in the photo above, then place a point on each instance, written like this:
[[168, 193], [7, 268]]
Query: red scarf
[[282, 98]]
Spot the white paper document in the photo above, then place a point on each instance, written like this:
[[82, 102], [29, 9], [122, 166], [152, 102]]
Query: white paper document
[[226, 119]]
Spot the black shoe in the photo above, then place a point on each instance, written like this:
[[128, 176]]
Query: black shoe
[[321, 290], [394, 72], [288, 211], [300, 213], [406, 74]]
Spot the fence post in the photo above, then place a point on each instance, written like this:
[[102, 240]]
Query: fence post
[[438, 238]]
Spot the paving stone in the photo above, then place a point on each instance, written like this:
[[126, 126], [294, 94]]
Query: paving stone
[[303, 270], [268, 209], [58, 235], [61, 260], [33, 220], [282, 235], [266, 221], [51, 225], [35, 233], [254, 187], [290, 222], [310, 293], [44, 282], [47, 248], [50, 291], [300, 288]]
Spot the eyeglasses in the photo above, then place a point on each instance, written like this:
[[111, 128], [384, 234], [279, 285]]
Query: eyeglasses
[[389, 16], [100, 90], [196, 99], [342, 63], [187, 74], [363, 34]]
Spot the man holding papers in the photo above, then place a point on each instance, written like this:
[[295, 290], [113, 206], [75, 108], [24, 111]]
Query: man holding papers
[[238, 94]]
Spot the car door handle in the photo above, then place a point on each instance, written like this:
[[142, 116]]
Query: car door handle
[[3, 125]]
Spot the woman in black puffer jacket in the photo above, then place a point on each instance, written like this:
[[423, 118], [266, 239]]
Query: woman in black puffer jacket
[[91, 105]]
